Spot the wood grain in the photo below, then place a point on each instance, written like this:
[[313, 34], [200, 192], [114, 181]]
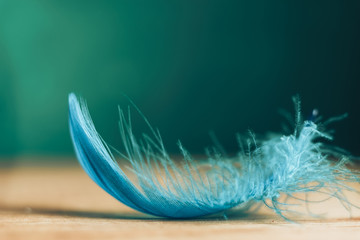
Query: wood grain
[[47, 201]]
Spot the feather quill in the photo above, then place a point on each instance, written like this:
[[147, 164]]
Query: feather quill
[[281, 165]]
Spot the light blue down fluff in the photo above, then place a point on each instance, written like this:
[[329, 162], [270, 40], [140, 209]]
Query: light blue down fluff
[[163, 187]]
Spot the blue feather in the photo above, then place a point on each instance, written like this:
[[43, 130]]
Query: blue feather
[[266, 170]]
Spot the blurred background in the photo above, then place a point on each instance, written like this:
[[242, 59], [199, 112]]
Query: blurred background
[[190, 66]]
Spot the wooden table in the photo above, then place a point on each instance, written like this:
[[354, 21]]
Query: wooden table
[[43, 200]]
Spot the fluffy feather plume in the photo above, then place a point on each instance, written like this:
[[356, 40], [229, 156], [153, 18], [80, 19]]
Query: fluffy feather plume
[[282, 165]]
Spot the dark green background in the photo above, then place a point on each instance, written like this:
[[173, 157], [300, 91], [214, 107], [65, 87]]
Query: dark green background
[[191, 66]]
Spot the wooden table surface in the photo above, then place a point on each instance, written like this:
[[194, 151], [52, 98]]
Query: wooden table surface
[[59, 201]]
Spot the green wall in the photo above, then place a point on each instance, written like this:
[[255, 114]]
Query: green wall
[[190, 66]]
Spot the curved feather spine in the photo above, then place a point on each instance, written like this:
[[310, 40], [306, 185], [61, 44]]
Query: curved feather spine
[[182, 197]]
